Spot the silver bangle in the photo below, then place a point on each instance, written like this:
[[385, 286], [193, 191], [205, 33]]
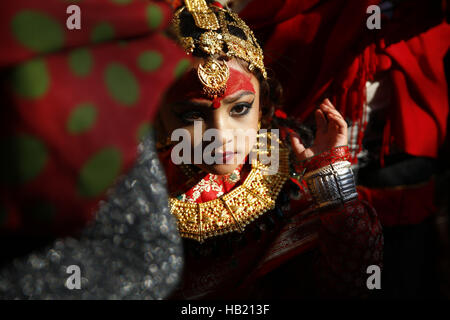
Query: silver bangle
[[332, 185]]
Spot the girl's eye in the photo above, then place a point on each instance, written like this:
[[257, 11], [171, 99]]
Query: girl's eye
[[191, 117], [241, 109]]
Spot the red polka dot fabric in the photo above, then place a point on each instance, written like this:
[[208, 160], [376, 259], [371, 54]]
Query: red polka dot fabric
[[76, 103]]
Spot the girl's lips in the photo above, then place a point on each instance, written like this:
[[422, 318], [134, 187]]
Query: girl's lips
[[227, 156]]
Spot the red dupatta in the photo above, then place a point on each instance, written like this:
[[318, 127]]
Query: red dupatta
[[323, 48]]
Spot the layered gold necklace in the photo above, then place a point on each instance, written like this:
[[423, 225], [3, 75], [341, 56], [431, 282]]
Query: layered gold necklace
[[234, 210]]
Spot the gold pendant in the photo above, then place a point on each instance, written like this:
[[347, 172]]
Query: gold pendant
[[213, 74]]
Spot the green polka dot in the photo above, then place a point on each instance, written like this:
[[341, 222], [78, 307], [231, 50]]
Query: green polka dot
[[122, 1], [82, 118], [80, 61], [24, 159], [122, 85], [31, 79], [99, 172], [154, 16], [37, 31], [143, 131], [3, 215], [102, 32], [42, 212], [150, 60], [181, 67]]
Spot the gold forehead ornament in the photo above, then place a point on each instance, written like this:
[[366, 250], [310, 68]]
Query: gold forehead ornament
[[217, 41], [214, 76]]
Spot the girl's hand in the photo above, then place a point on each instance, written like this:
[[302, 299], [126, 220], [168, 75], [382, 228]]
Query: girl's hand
[[331, 132]]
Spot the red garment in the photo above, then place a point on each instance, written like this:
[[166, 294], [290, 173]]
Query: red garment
[[48, 18], [323, 49], [75, 104], [420, 92]]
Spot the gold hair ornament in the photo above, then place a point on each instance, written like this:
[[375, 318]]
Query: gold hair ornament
[[217, 41]]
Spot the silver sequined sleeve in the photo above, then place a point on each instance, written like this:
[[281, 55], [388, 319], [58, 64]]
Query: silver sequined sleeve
[[132, 249]]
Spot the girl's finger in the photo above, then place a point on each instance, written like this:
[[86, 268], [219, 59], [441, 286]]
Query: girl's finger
[[339, 122], [328, 102], [332, 123], [331, 110], [298, 147], [321, 121]]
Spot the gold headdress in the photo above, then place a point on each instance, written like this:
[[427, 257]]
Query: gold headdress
[[216, 41]]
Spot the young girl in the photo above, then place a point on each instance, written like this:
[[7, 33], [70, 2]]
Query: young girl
[[297, 232]]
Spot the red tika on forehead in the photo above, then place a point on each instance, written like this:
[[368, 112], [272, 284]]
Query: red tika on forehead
[[237, 81], [189, 87]]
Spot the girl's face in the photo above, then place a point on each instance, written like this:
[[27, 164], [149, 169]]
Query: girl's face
[[235, 116]]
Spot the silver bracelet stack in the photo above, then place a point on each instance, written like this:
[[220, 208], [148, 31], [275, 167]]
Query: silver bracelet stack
[[332, 185]]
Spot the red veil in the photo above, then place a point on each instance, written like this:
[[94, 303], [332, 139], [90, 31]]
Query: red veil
[[75, 104], [323, 48]]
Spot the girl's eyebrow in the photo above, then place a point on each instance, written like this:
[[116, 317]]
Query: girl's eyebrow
[[237, 96], [207, 104], [192, 104]]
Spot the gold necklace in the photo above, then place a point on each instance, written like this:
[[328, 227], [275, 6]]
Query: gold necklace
[[239, 207]]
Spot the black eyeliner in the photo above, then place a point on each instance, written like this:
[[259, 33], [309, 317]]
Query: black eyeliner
[[182, 117], [247, 105]]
